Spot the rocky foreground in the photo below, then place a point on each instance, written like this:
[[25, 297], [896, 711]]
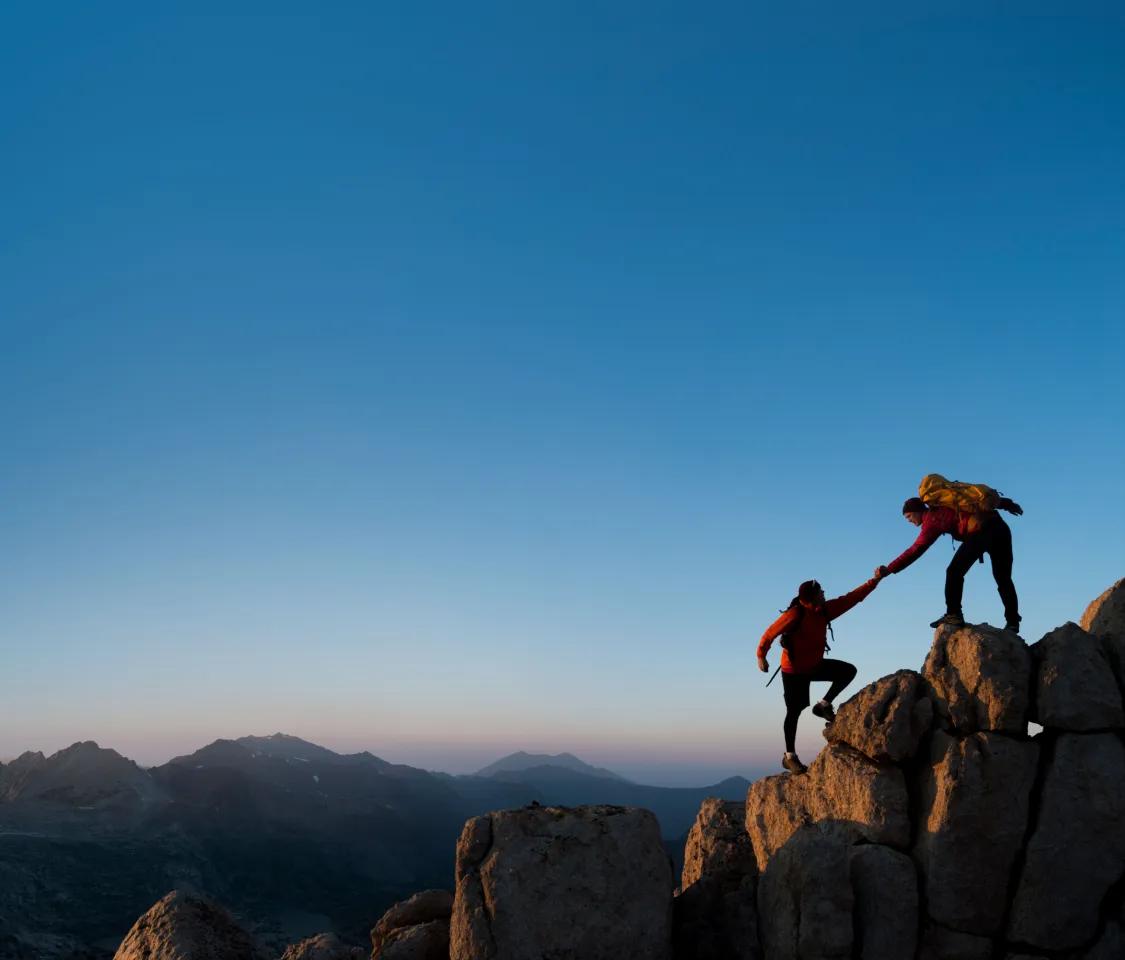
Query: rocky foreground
[[933, 825]]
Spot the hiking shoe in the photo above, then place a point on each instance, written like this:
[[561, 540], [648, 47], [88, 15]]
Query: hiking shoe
[[793, 764], [949, 620], [825, 711], [1014, 627]]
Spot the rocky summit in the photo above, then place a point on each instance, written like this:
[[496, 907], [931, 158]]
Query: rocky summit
[[973, 810]]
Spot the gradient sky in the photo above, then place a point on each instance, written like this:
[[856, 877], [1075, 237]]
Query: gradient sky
[[451, 379]]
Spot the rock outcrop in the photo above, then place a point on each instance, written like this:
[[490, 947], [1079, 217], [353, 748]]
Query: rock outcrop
[[979, 678], [715, 916], [414, 929], [1076, 689], [585, 883], [886, 720], [973, 807], [324, 946], [842, 786], [1077, 851], [185, 927]]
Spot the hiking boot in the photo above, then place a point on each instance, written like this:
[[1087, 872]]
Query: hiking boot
[[949, 620], [824, 710], [793, 764], [1014, 626]]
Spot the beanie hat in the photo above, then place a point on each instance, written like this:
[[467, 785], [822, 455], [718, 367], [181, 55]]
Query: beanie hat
[[807, 591], [914, 505]]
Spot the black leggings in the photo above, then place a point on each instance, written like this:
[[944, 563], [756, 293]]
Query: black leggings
[[995, 539], [839, 672]]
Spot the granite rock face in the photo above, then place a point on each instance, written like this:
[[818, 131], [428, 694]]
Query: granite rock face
[[885, 916], [1076, 688], [426, 907], [715, 915], [841, 785], [979, 678], [973, 804], [1105, 619], [324, 946], [1077, 851], [185, 927], [886, 720], [582, 883], [718, 844], [422, 941], [805, 898]]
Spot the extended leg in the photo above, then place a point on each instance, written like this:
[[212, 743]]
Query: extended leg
[[790, 728], [1000, 553], [967, 554]]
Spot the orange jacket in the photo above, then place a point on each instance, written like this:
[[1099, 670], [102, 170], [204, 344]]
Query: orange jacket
[[808, 641]]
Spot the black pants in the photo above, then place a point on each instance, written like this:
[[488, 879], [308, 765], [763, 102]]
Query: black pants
[[838, 672], [995, 539]]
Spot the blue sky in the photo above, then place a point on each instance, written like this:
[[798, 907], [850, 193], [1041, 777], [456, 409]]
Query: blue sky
[[458, 379]]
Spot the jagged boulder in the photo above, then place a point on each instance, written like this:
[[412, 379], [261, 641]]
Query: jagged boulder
[[582, 883], [974, 802], [805, 897], [324, 946], [185, 927], [886, 720], [718, 845], [1105, 619], [1077, 850], [1075, 687], [979, 679], [842, 786], [715, 915], [885, 917], [429, 908], [939, 943]]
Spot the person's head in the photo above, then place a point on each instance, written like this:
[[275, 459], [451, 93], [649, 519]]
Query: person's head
[[914, 510], [810, 593]]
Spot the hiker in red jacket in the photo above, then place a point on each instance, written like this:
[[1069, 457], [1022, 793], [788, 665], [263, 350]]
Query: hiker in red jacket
[[804, 630], [979, 533]]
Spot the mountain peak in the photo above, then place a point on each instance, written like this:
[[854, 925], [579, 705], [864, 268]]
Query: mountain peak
[[522, 760]]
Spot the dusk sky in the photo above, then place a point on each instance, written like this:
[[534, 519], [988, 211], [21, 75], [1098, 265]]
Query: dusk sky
[[445, 380]]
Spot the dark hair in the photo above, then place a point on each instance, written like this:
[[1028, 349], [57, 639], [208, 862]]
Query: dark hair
[[914, 505]]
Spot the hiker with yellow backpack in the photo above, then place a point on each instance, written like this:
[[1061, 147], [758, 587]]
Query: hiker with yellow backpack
[[967, 512]]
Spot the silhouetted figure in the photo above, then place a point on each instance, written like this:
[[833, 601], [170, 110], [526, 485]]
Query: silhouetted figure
[[979, 533], [804, 628]]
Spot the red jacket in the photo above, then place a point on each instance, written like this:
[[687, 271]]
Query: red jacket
[[808, 641], [935, 522]]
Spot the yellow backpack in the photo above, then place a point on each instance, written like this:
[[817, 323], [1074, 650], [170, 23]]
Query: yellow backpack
[[936, 491]]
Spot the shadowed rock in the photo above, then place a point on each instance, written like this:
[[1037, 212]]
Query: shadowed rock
[[886, 720], [715, 916], [805, 897], [885, 887], [1078, 848], [422, 941], [974, 802], [938, 943], [1075, 687], [718, 845], [324, 946], [185, 927], [1105, 619], [583, 883], [979, 678], [841, 785], [425, 907]]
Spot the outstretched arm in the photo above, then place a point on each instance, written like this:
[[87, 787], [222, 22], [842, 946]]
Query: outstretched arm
[[928, 535], [841, 605], [1006, 503]]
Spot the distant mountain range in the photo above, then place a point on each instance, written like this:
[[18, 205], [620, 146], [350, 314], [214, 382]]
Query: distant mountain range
[[296, 838]]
